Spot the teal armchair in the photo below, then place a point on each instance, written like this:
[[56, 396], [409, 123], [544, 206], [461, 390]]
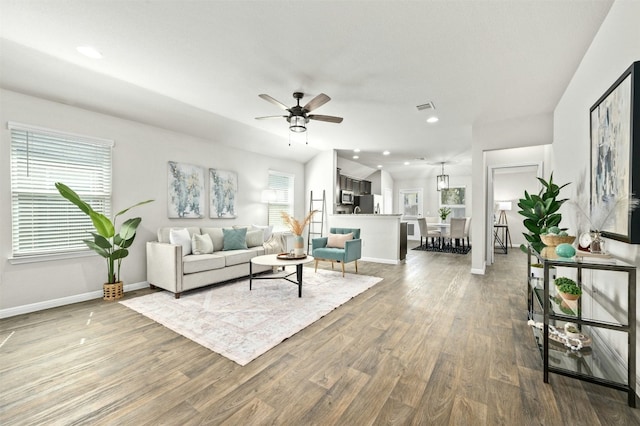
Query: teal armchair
[[329, 248]]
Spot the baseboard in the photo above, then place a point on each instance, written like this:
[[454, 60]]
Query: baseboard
[[620, 364], [478, 271], [48, 304], [376, 260]]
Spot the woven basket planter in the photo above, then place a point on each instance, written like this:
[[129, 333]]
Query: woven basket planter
[[112, 291]]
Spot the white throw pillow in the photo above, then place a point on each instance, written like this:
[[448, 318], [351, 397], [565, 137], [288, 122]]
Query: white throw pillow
[[201, 244], [338, 240], [254, 238], [181, 237], [266, 229]]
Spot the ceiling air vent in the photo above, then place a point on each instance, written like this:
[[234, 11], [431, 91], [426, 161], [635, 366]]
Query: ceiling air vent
[[427, 106]]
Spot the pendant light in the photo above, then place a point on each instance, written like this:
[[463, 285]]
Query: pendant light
[[442, 181]]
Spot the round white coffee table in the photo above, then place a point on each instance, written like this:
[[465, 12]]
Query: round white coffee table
[[273, 261]]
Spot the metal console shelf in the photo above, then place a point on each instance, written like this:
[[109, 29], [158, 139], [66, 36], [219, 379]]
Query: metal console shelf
[[589, 364]]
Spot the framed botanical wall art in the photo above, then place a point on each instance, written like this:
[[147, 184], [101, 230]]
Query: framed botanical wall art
[[453, 197], [185, 191], [615, 158], [223, 186]]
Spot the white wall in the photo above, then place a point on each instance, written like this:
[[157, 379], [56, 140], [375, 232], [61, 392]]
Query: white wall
[[318, 178], [528, 131], [614, 48], [140, 161]]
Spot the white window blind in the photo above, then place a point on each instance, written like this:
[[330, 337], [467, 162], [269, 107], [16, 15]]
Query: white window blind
[[282, 184], [43, 222]]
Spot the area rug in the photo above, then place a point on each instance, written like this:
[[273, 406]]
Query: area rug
[[241, 324], [445, 249]]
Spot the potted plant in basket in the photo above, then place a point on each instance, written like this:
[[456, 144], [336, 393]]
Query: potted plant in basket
[[107, 242], [541, 212], [568, 288]]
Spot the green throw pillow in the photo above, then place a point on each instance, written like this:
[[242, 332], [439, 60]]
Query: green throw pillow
[[234, 239]]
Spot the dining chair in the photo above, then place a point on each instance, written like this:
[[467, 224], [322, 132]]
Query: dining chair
[[467, 227], [427, 232], [456, 231]]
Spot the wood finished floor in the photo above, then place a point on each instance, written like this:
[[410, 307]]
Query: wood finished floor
[[429, 345]]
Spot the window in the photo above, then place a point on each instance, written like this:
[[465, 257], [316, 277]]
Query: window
[[282, 185], [44, 223]]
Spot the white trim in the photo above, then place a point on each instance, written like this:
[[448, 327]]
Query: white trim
[[381, 260], [47, 304], [19, 260], [59, 133]]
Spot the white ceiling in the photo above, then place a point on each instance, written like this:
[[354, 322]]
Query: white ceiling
[[198, 67]]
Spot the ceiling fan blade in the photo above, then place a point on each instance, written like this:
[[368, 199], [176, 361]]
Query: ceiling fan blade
[[317, 102], [274, 101], [272, 116], [329, 118]]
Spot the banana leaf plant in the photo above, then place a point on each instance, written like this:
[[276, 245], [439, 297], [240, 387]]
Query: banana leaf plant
[[541, 212], [107, 242]]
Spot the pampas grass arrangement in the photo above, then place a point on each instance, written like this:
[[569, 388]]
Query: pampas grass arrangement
[[297, 227]]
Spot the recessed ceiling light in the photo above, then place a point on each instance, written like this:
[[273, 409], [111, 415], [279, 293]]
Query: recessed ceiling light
[[433, 119], [355, 157], [386, 153], [379, 166], [406, 163], [89, 51], [356, 150]]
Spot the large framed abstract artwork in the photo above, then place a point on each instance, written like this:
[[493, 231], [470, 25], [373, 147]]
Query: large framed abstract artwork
[[223, 187], [185, 191], [615, 158]]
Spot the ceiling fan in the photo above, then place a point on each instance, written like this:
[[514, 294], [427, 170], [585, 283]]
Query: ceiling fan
[[299, 115]]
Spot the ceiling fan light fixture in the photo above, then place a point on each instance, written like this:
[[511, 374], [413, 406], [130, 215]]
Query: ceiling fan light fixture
[[297, 124], [442, 181]]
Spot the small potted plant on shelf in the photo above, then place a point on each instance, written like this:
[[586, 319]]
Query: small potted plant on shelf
[[568, 288]]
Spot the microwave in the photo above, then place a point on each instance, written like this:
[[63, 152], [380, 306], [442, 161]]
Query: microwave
[[347, 197]]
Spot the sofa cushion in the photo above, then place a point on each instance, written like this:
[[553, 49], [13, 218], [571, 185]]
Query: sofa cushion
[[254, 238], [181, 237], [236, 257], [267, 230], [216, 237], [201, 244], [234, 239], [202, 262], [338, 240], [163, 233]]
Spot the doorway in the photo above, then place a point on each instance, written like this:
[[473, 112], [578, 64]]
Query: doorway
[[506, 185]]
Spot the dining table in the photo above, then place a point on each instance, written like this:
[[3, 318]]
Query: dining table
[[444, 226]]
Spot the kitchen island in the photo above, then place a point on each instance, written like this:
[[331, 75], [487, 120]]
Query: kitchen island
[[384, 236]]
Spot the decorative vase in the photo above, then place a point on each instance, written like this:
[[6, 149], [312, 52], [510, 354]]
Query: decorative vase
[[597, 244], [298, 245]]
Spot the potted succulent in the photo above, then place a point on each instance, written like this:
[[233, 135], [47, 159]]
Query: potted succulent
[[541, 212], [107, 242], [568, 288]]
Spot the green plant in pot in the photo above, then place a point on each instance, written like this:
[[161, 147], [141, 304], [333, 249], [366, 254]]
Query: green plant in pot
[[107, 241], [568, 288], [443, 212], [541, 212]]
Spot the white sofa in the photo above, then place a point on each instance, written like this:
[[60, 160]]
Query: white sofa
[[168, 269]]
